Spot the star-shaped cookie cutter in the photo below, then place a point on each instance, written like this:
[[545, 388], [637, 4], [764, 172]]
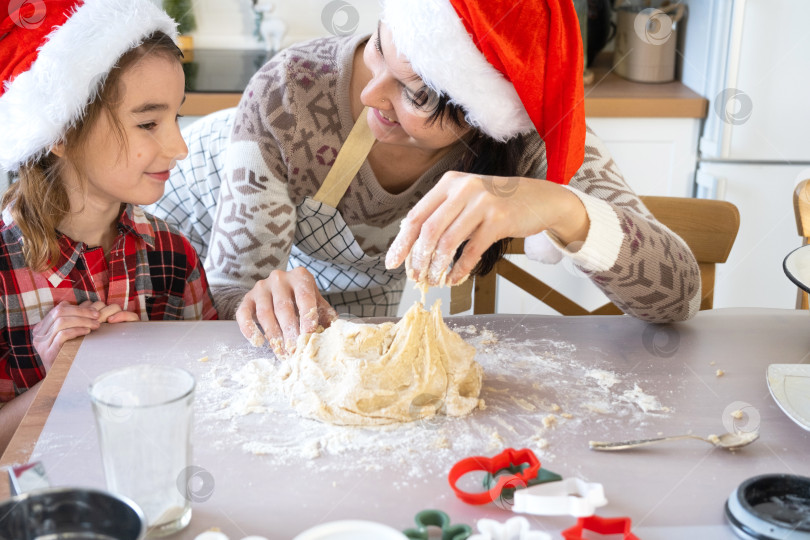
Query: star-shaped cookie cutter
[[570, 496], [621, 525], [516, 528]]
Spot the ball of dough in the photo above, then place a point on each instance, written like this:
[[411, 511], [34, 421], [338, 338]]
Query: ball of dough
[[375, 374]]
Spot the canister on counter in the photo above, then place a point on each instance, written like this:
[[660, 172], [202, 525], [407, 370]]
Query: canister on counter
[[645, 42]]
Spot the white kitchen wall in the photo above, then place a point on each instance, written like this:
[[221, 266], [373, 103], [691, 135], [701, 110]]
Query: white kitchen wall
[[230, 23]]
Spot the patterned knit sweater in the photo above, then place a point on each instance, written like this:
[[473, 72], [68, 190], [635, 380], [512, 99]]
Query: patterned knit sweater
[[290, 125]]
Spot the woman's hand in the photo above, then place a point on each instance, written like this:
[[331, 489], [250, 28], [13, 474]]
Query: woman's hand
[[481, 210], [67, 321], [285, 304]]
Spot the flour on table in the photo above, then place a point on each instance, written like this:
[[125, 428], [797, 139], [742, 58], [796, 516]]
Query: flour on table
[[356, 374], [646, 402], [241, 406], [605, 379]]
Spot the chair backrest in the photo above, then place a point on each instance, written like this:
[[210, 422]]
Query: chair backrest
[[801, 209], [708, 227]]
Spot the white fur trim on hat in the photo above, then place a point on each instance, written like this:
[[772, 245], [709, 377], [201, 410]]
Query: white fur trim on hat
[[432, 37], [42, 103]]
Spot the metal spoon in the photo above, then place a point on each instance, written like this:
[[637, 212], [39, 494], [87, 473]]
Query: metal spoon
[[729, 441]]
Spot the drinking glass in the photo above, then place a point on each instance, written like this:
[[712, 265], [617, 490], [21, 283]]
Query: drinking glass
[[144, 418]]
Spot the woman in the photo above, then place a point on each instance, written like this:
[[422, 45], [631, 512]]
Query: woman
[[477, 112]]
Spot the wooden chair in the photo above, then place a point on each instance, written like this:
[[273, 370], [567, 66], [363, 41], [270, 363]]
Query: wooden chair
[[708, 227], [801, 209]]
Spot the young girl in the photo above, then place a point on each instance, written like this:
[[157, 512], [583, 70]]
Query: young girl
[[89, 100]]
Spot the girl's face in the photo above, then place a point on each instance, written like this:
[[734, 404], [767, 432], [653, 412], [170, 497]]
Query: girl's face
[[399, 101], [151, 91]]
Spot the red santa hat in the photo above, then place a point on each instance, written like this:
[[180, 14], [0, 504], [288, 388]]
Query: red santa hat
[[54, 57], [513, 66]]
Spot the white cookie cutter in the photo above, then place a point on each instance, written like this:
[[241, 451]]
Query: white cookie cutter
[[516, 528], [571, 496]]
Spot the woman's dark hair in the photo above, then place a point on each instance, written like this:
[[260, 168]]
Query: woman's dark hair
[[485, 156]]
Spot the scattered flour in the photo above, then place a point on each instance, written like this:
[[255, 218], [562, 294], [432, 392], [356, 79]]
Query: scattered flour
[[240, 406], [605, 379], [523, 404], [645, 402], [489, 337], [540, 442]]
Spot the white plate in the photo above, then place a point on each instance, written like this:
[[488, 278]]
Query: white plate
[[351, 530], [797, 267], [790, 387]]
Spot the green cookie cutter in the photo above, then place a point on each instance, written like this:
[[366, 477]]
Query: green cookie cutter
[[437, 518]]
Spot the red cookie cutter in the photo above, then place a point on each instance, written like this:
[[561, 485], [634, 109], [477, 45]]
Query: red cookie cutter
[[599, 525], [507, 458]]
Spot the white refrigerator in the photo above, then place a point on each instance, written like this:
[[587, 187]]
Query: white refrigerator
[[751, 59]]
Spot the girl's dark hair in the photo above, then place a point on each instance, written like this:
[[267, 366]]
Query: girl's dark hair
[[486, 157], [38, 199]]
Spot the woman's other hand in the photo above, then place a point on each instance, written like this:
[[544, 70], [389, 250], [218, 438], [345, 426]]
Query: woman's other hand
[[285, 304], [481, 210]]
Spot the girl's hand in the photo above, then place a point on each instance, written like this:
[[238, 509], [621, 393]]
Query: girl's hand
[[481, 210], [67, 321], [114, 314], [64, 322], [285, 304]]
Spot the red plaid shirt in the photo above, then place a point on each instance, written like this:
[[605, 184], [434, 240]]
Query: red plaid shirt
[[152, 271]]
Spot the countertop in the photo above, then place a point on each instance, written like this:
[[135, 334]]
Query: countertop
[[600, 378], [216, 78], [613, 96]]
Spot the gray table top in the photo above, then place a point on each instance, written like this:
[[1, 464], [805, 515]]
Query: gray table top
[[271, 473]]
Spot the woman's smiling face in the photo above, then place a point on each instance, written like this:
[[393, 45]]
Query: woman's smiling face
[[399, 102]]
